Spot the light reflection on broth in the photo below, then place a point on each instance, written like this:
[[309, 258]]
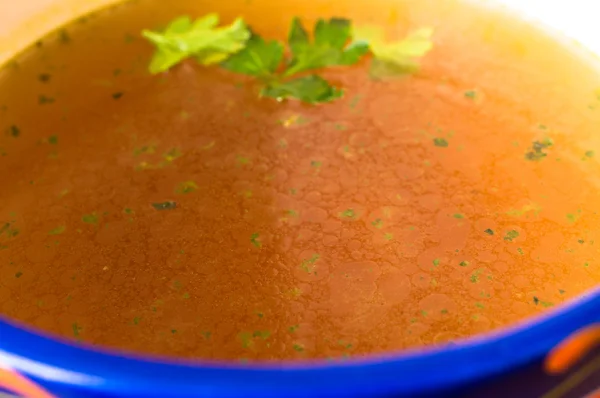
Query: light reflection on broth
[[178, 214]]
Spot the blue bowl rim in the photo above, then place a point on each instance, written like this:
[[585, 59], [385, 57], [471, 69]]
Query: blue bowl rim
[[81, 368], [105, 371]]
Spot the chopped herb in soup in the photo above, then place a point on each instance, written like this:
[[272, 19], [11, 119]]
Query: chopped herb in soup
[[258, 180]]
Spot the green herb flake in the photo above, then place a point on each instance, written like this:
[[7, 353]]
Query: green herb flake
[[298, 347], [145, 149], [58, 230], [76, 330], [18, 274], [471, 94], [572, 217], [255, 240], [348, 213], [479, 305], [262, 334], [186, 187], [589, 154], [308, 264], [91, 218], [206, 335], [489, 231], [536, 152], [64, 36], [292, 213], [316, 164], [201, 39], [580, 241], [117, 95], [242, 160], [344, 344], [44, 77], [388, 236], [45, 100], [436, 262], [9, 230], [458, 216], [169, 205], [14, 131], [378, 223], [561, 291], [520, 251], [511, 235], [546, 304], [137, 320], [536, 300], [185, 296], [440, 142], [293, 328], [246, 339], [464, 263]]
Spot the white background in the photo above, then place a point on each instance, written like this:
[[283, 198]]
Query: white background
[[579, 19]]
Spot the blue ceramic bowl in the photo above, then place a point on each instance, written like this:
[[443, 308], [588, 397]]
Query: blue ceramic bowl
[[507, 362]]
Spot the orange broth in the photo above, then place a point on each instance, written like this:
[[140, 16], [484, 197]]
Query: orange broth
[[414, 211]]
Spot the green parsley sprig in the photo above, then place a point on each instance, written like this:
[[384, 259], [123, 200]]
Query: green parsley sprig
[[334, 43], [265, 60]]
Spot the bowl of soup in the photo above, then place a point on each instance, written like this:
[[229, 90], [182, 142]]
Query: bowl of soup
[[302, 199]]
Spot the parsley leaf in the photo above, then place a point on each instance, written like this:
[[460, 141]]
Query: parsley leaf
[[260, 58], [394, 58], [536, 151], [312, 89], [201, 39], [263, 58], [328, 48]]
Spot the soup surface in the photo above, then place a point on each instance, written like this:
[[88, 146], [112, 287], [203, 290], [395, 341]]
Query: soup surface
[[180, 214]]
